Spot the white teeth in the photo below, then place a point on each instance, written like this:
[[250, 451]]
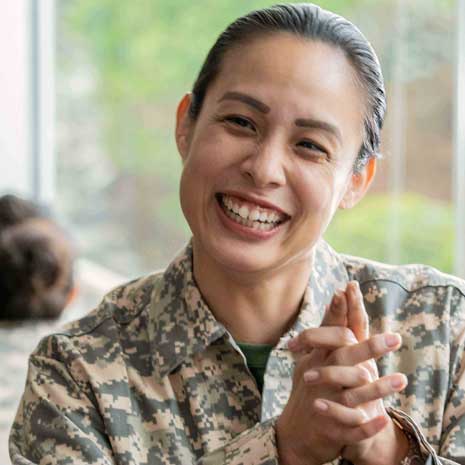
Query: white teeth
[[263, 216], [252, 218], [244, 212], [254, 215], [250, 224]]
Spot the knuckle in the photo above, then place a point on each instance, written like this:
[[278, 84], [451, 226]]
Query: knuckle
[[301, 366], [348, 398], [338, 357], [305, 338], [374, 345], [380, 389], [363, 374], [346, 336]]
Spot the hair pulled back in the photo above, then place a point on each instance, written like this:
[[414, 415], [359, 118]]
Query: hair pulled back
[[36, 262], [308, 21]]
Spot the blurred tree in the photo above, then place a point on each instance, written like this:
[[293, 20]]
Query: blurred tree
[[426, 230], [140, 57]]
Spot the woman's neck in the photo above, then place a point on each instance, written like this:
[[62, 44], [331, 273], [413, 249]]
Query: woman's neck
[[256, 308]]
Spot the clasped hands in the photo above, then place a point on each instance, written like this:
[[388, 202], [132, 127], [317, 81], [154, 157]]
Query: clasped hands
[[336, 403]]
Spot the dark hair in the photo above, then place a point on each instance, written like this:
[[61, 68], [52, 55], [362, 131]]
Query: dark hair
[[310, 22], [36, 262], [14, 210]]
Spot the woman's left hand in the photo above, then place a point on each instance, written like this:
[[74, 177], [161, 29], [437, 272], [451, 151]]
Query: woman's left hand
[[390, 445]]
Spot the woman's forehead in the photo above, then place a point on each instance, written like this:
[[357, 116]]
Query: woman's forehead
[[294, 75], [284, 61]]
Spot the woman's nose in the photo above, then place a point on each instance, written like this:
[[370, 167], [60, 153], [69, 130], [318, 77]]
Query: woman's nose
[[265, 166]]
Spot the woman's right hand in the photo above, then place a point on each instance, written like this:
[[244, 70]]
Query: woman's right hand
[[304, 435]]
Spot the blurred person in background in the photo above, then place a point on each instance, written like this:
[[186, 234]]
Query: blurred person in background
[[259, 344], [36, 285]]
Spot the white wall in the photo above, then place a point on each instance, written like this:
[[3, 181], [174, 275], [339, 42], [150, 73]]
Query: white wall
[[15, 166]]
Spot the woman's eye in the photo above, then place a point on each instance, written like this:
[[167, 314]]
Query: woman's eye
[[315, 148], [239, 121]]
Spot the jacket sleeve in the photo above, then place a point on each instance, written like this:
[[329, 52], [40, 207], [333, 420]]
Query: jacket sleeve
[[451, 450], [255, 446], [57, 421], [452, 443]]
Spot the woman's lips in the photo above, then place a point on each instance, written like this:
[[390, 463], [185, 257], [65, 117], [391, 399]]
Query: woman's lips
[[250, 222], [249, 209]]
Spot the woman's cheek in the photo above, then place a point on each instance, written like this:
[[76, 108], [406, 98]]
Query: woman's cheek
[[317, 193]]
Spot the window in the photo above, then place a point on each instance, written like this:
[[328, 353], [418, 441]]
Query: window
[[121, 71]]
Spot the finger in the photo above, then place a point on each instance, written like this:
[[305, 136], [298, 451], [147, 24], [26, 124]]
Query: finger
[[340, 413], [365, 430], [336, 314], [378, 389], [357, 317], [347, 377], [330, 337], [347, 434], [374, 347]]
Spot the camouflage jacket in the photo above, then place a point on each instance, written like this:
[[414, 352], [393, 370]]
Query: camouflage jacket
[[17, 340], [151, 377]]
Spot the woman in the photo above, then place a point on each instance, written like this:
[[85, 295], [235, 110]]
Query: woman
[[36, 284], [281, 129]]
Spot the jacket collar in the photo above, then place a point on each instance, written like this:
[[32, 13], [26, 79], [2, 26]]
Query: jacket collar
[[328, 275], [181, 324]]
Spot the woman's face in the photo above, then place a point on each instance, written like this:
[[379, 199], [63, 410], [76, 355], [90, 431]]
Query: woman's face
[[269, 159]]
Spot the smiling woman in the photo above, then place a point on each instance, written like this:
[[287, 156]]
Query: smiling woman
[[259, 344]]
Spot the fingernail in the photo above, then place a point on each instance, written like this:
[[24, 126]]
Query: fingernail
[[398, 382], [293, 344], [321, 405], [392, 340], [311, 375]]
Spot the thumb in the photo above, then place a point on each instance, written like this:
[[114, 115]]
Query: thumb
[[336, 311], [357, 317]]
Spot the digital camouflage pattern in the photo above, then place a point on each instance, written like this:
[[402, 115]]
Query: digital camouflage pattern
[[150, 377], [17, 340]]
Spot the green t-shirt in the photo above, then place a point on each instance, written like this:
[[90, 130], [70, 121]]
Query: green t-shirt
[[256, 356]]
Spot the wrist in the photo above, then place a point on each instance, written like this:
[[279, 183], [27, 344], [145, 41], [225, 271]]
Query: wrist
[[288, 455], [389, 447]]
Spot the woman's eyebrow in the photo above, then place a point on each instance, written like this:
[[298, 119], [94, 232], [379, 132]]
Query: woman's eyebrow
[[301, 122], [247, 99], [317, 124]]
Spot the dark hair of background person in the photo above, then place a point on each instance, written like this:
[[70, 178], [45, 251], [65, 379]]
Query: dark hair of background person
[[36, 262], [311, 22]]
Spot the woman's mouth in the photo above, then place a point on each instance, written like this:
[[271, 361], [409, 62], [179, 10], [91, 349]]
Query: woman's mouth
[[248, 214]]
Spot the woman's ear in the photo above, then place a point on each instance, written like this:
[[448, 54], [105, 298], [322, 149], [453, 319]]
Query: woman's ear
[[183, 125], [73, 293], [359, 184]]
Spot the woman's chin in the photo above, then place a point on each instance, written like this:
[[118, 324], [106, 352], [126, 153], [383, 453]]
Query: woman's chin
[[230, 257]]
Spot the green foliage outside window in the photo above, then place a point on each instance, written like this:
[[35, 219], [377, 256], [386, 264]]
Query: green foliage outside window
[[143, 56], [425, 229]]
